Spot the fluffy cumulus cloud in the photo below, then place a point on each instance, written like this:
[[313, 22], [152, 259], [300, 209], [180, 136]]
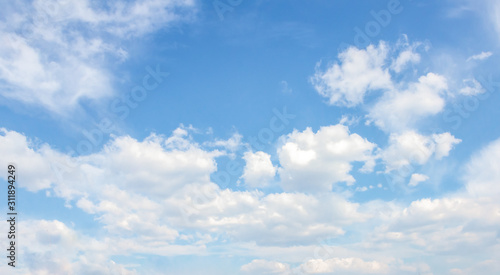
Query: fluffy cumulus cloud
[[401, 102], [143, 166], [297, 211], [411, 148], [398, 109], [259, 169], [314, 161], [46, 61], [134, 191], [359, 71], [139, 166], [154, 210], [156, 188], [122, 185]]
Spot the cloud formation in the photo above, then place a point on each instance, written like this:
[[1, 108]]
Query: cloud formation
[[359, 71], [46, 62], [315, 161]]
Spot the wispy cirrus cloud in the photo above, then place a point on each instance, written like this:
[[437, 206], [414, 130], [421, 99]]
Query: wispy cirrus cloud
[[480, 56]]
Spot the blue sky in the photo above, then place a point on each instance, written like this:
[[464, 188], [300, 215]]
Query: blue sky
[[252, 137]]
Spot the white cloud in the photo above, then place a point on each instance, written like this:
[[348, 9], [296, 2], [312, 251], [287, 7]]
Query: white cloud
[[482, 173], [448, 225], [32, 78], [444, 144], [481, 56], [232, 144], [413, 148], [399, 110], [16, 148], [416, 179], [275, 219], [336, 265], [344, 265], [471, 87], [160, 186], [118, 17], [76, 253], [315, 161], [127, 162], [402, 103], [122, 184], [46, 61], [198, 212], [265, 267], [407, 55], [447, 228], [349, 120], [259, 170], [359, 71]]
